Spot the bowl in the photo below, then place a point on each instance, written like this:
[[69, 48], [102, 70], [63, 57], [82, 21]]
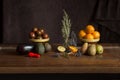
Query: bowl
[[90, 40], [40, 40]]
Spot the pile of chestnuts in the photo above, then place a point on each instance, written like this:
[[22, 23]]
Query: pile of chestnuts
[[38, 33]]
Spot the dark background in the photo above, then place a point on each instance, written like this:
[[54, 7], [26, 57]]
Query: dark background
[[20, 16]]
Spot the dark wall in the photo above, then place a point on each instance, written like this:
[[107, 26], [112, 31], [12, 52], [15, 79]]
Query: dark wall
[[1, 21], [20, 16]]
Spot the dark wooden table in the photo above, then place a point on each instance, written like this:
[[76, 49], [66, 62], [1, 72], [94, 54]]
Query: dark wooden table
[[11, 62]]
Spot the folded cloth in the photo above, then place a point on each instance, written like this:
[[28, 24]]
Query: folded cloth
[[107, 14], [108, 10]]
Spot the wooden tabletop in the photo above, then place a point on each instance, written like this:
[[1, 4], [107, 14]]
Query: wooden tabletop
[[11, 62]]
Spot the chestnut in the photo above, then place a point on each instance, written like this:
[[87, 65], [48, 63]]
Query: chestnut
[[42, 31], [32, 35], [35, 29], [45, 36], [39, 33]]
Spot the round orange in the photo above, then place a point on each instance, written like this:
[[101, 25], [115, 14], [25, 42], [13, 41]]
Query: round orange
[[82, 33], [89, 36], [90, 29], [96, 34]]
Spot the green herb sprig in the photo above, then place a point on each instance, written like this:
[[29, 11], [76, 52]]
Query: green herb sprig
[[66, 27]]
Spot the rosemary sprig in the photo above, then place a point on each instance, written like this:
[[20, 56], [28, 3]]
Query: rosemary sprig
[[66, 27]]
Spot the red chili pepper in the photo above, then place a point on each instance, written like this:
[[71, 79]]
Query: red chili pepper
[[31, 54]]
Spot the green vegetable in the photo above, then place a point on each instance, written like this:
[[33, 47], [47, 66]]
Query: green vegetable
[[66, 27], [40, 48], [48, 47]]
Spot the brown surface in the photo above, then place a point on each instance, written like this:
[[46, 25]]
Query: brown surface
[[109, 62]]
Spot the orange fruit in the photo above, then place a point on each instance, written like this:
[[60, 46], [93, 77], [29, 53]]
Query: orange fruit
[[89, 36], [82, 33], [96, 34], [90, 29]]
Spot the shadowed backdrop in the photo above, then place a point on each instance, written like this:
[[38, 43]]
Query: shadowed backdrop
[[20, 16]]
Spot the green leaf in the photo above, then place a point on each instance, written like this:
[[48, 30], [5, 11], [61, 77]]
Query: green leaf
[[66, 27]]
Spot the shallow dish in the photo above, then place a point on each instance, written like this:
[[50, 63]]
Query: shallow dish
[[40, 40], [90, 41]]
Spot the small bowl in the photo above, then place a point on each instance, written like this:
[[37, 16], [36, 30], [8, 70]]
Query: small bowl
[[90, 40], [40, 40]]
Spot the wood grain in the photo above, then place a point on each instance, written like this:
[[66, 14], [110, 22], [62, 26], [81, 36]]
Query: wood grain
[[109, 62]]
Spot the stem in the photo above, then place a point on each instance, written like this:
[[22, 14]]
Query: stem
[[66, 42]]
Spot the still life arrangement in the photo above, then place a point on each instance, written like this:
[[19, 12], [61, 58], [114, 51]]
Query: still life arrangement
[[41, 45], [69, 46], [40, 39], [90, 37]]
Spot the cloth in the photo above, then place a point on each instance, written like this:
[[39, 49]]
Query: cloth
[[108, 14], [20, 16]]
